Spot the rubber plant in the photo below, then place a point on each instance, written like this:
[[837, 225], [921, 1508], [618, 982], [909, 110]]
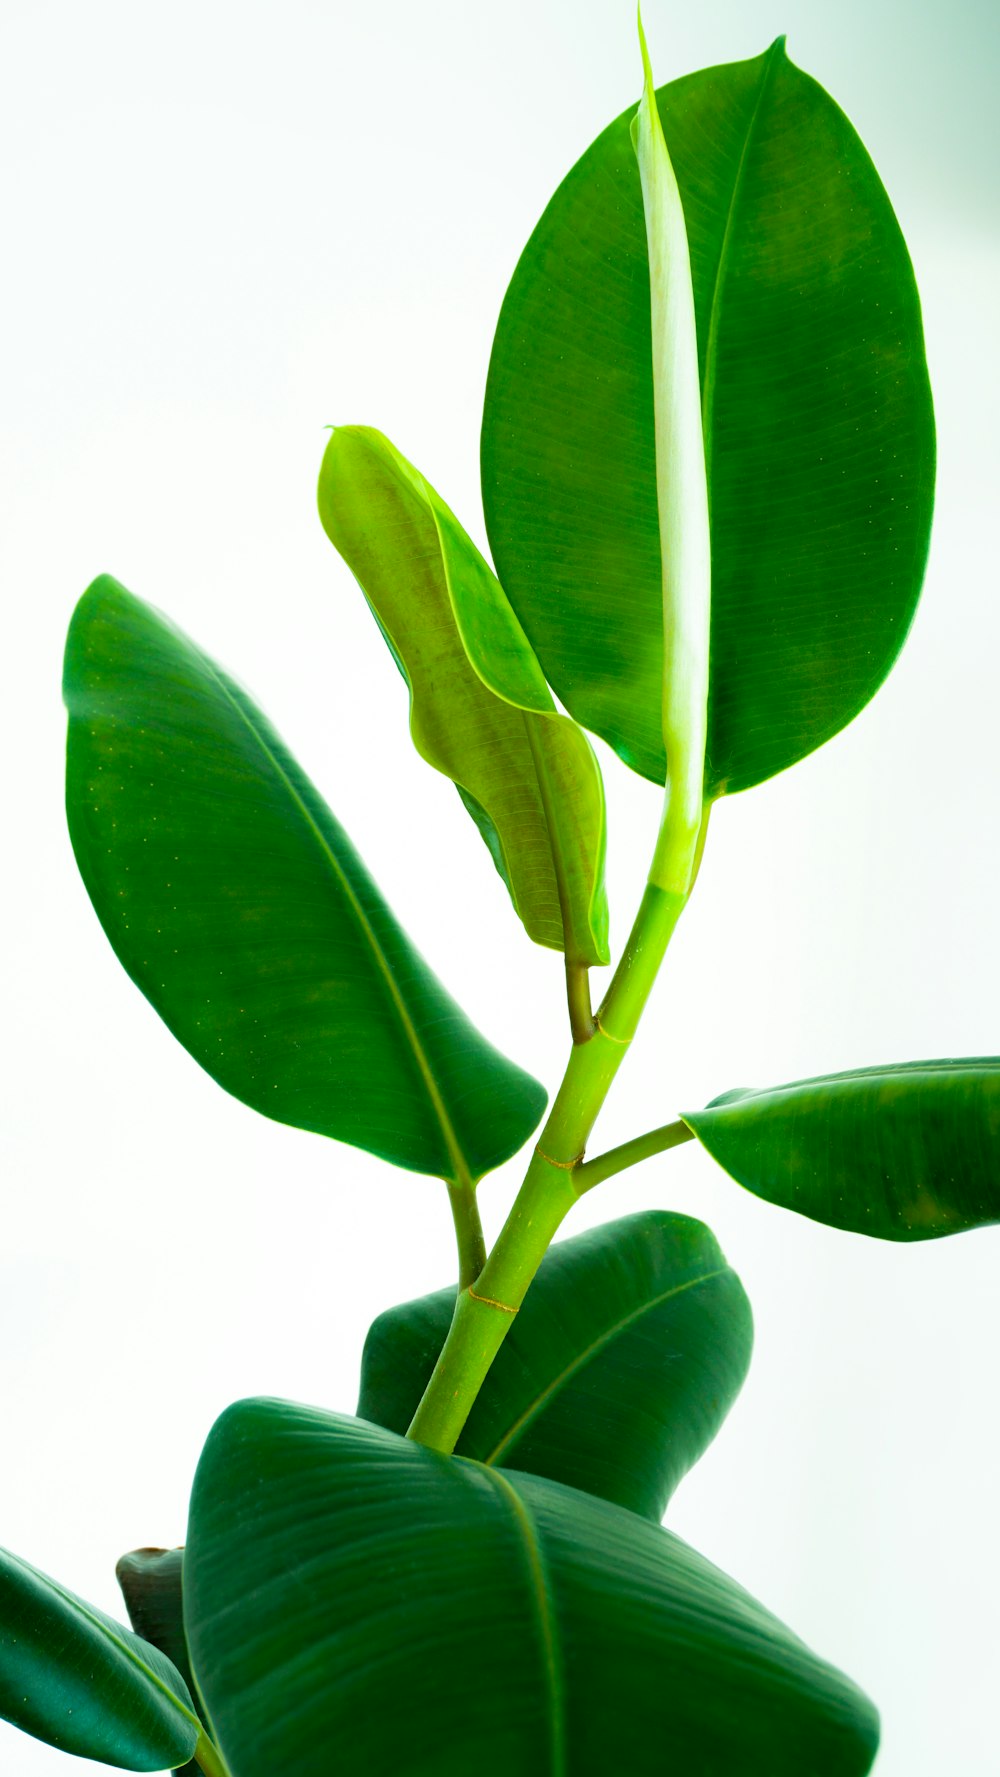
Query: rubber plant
[[707, 470]]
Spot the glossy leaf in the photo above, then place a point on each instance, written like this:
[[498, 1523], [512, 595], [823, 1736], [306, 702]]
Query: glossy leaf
[[238, 905], [151, 1581], [75, 1678], [817, 417], [480, 710], [621, 1365], [904, 1153], [349, 1590]]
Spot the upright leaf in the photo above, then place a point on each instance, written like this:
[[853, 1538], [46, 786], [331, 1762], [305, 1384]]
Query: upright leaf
[[240, 908], [480, 710], [631, 1345], [817, 420], [75, 1678], [349, 1592], [908, 1152]]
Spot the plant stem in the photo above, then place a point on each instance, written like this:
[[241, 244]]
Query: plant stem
[[468, 1233], [641, 1147], [210, 1758], [484, 1315]]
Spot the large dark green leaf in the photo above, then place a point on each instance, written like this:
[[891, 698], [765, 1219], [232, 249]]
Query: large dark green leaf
[[240, 908], [624, 1359], [817, 418], [480, 710], [152, 1587], [74, 1677], [905, 1153], [351, 1594]]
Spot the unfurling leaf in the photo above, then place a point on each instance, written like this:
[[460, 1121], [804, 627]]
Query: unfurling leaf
[[480, 710]]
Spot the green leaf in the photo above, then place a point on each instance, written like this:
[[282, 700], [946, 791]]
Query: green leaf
[[621, 1365], [349, 1590], [817, 416], [151, 1581], [480, 710], [908, 1152], [241, 910], [75, 1678]]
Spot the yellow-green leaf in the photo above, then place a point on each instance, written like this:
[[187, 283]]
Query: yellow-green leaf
[[480, 710]]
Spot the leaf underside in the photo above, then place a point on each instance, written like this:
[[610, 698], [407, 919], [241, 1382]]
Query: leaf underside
[[905, 1152]]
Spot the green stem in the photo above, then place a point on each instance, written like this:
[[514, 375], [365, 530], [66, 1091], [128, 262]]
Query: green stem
[[468, 1233], [210, 1758], [484, 1315], [641, 1147]]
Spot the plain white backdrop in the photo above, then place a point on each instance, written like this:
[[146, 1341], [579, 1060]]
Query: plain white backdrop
[[226, 227]]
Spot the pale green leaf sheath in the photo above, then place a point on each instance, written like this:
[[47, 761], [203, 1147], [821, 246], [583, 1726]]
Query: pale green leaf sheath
[[681, 498], [480, 710]]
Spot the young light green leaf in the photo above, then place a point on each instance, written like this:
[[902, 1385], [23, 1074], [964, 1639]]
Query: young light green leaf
[[480, 710], [627, 1353], [906, 1152], [818, 426], [346, 1588], [75, 1678], [240, 908]]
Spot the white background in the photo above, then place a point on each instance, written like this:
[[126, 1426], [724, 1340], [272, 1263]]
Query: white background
[[224, 228]]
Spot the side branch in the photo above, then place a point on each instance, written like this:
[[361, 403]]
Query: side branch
[[629, 1153]]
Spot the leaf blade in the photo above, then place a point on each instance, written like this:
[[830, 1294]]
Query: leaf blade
[[238, 905], [393, 1550], [624, 1359], [905, 1152], [73, 1677], [818, 425]]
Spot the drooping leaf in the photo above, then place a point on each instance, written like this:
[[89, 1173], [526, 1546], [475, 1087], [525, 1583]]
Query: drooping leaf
[[905, 1152], [817, 418], [480, 710], [151, 1581], [75, 1678], [238, 905], [630, 1347], [349, 1590]]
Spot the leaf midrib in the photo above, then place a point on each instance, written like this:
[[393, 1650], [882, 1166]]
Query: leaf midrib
[[583, 1357], [546, 1624], [463, 1174]]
